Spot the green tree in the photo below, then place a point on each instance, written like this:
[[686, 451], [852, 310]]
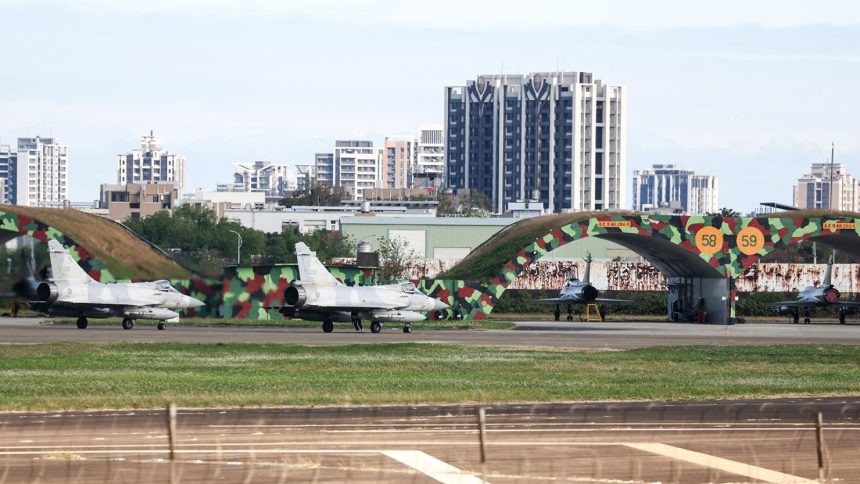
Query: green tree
[[395, 259], [317, 195], [725, 212]]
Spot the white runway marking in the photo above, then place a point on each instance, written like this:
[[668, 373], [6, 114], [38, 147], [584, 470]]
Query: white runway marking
[[735, 467], [432, 467]]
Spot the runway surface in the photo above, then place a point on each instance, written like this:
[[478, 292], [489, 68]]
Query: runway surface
[[725, 441], [610, 335]]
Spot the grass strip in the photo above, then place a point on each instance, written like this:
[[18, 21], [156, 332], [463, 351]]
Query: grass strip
[[133, 375]]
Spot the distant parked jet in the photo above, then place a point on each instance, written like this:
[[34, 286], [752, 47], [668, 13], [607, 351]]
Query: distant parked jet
[[576, 292], [318, 296], [72, 292], [817, 297]]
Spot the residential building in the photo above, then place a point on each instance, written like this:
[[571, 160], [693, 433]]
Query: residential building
[[151, 163], [813, 190], [668, 186], [429, 168], [273, 179], [137, 200], [41, 172], [8, 160], [555, 137], [354, 165], [398, 157], [306, 176]]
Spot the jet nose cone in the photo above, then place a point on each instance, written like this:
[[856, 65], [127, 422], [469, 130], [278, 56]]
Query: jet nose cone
[[193, 303], [439, 305]]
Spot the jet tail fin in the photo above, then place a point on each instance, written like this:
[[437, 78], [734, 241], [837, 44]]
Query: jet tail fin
[[829, 273], [311, 270], [63, 267], [587, 278]]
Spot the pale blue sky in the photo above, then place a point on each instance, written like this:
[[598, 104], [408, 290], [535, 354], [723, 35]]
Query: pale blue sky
[[750, 91]]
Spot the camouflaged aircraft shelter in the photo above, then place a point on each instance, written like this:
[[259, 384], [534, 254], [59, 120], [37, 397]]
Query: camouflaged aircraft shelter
[[701, 255]]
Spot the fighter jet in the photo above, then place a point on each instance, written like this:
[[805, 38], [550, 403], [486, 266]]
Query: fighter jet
[[72, 292], [319, 296], [817, 297], [576, 292]]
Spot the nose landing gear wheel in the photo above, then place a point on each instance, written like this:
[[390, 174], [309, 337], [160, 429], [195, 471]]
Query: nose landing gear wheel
[[328, 326], [161, 326], [375, 327], [407, 329], [81, 322], [127, 323], [806, 321]]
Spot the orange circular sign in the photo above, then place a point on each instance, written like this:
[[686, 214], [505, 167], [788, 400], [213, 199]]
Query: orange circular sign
[[750, 240], [709, 240]]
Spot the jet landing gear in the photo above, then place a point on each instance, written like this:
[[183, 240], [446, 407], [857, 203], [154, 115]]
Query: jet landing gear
[[407, 328], [806, 319], [842, 314], [796, 316], [557, 312], [375, 327], [570, 313], [127, 323], [81, 322], [161, 326], [328, 325]]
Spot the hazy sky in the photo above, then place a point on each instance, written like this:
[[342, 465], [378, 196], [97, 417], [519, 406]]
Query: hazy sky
[[752, 91]]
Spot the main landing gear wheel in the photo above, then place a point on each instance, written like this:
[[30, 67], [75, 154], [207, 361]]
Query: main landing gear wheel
[[407, 329], [127, 323], [806, 321], [161, 326], [796, 318], [82, 322], [328, 326], [375, 327], [842, 315], [557, 313]]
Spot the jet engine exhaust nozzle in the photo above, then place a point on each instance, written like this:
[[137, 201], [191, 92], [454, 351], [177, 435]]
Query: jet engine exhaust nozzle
[[47, 292], [295, 296], [831, 296], [589, 293]]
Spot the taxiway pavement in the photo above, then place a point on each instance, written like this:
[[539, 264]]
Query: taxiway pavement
[[722, 441], [608, 335]]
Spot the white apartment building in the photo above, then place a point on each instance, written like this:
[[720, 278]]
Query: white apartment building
[[273, 179], [429, 168], [8, 158], [669, 186], [151, 163], [354, 165], [306, 176], [41, 172], [555, 137], [813, 189]]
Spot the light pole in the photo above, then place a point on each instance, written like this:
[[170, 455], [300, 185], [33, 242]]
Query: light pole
[[238, 247]]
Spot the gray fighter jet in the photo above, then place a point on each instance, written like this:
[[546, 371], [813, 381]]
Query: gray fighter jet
[[72, 292], [319, 296], [813, 297], [576, 292]]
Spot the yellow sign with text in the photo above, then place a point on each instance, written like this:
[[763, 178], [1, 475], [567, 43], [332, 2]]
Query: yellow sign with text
[[750, 240], [614, 223], [839, 225], [709, 240]]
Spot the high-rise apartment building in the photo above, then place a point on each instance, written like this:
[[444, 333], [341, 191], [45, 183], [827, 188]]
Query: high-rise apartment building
[[306, 176], [151, 163], [398, 158], [354, 165], [429, 168], [273, 179], [666, 185], [41, 172], [813, 189], [8, 159], [556, 137]]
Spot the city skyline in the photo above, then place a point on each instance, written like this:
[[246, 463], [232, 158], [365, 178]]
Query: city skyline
[[717, 95]]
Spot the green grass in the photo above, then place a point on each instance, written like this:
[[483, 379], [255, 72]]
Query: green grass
[[293, 323], [93, 375]]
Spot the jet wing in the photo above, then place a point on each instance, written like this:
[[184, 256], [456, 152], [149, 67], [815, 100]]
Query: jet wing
[[352, 307], [556, 300], [796, 304], [850, 304], [613, 301]]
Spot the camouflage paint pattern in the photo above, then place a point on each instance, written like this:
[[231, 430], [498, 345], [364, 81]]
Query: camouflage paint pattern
[[250, 292]]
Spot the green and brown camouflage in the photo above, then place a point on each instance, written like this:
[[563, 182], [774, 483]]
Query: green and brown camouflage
[[257, 292]]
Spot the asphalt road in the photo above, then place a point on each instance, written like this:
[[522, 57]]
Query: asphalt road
[[615, 335], [726, 441]]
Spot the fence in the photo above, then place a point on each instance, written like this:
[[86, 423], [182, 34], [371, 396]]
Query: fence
[[772, 441]]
